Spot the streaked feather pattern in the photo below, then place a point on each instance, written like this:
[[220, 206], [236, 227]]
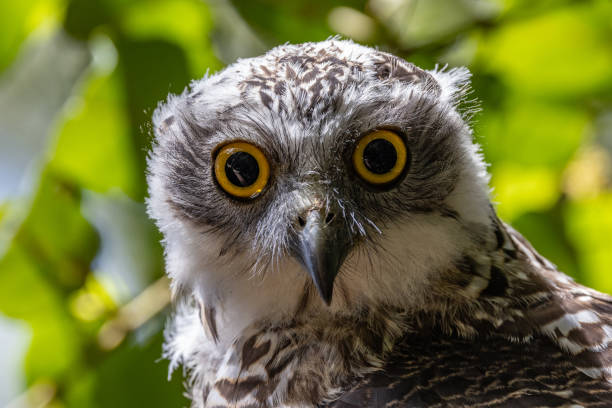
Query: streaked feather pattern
[[530, 338], [436, 371], [437, 304], [557, 354]]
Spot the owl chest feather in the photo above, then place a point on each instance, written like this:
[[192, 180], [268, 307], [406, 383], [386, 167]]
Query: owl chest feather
[[487, 350], [300, 363]]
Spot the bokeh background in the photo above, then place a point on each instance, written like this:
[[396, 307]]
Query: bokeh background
[[82, 294]]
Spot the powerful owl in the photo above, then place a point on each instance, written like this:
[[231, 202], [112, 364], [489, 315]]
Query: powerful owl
[[331, 243]]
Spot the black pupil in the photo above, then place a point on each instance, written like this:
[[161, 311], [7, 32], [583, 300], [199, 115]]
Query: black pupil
[[379, 156], [241, 169]]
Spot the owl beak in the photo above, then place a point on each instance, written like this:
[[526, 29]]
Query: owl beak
[[322, 246]]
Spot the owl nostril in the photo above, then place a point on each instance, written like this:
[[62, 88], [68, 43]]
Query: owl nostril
[[301, 221]]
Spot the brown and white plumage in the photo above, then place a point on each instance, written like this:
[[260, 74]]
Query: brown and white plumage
[[435, 301], [535, 351]]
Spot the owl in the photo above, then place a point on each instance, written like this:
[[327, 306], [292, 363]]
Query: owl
[[331, 242]]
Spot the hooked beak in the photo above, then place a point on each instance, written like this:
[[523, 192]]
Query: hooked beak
[[322, 246]]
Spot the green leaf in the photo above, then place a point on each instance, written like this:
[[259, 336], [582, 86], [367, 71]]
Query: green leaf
[[589, 223], [93, 148], [519, 189], [146, 81], [532, 132], [56, 235], [84, 16], [18, 19], [48, 257], [27, 294], [133, 376], [3, 210], [186, 23], [293, 21], [546, 232], [563, 53]]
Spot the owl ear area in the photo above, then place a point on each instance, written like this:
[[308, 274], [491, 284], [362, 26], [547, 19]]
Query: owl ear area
[[241, 170], [380, 158]]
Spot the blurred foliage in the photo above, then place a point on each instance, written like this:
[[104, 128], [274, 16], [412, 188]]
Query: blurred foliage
[[77, 252]]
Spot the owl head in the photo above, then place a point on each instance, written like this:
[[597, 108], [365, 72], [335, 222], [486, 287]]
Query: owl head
[[328, 174]]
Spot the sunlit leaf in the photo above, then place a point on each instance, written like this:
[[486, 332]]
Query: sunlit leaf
[[3, 210], [56, 235], [589, 224], [49, 256], [520, 189], [564, 52], [19, 18], [25, 293], [532, 132], [588, 173], [184, 22], [93, 148], [92, 301]]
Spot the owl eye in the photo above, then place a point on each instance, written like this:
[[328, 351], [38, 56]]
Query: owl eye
[[380, 157], [241, 169]]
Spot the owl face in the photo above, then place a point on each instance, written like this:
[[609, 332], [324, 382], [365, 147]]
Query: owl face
[[312, 153]]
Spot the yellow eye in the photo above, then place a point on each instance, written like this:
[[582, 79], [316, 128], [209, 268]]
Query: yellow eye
[[242, 170], [380, 157]]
